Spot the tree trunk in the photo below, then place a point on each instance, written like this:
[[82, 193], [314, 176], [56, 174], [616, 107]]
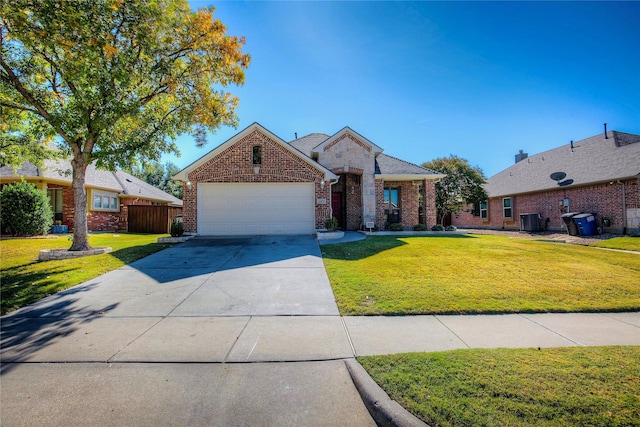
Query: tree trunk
[[80, 231]]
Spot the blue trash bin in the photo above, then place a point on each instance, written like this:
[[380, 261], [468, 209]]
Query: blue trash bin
[[586, 224]]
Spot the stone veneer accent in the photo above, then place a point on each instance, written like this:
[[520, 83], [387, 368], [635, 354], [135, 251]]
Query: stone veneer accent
[[51, 254], [349, 151], [235, 164]]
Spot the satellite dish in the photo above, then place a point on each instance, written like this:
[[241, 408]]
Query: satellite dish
[[558, 176], [565, 183]]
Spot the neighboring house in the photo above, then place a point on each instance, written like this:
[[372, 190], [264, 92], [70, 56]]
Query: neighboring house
[[256, 183], [109, 193], [601, 176]]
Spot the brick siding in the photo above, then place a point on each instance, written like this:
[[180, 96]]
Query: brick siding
[[235, 165], [380, 204], [604, 200], [354, 201]]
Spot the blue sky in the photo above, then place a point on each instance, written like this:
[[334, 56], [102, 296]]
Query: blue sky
[[424, 80]]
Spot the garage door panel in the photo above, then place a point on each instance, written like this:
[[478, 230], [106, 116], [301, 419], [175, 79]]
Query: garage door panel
[[253, 209]]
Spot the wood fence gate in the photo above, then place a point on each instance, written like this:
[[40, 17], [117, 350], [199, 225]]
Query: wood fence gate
[[151, 219]]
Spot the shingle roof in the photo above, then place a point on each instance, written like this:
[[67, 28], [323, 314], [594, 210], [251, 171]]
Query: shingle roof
[[118, 181], [388, 165], [385, 165], [307, 143], [592, 160]]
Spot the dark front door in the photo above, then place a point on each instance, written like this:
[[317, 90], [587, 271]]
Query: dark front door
[[336, 207]]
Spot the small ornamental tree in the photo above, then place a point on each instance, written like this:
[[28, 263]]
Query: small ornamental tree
[[462, 184], [25, 210]]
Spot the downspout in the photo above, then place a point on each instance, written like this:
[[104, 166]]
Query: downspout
[[624, 208], [330, 198]]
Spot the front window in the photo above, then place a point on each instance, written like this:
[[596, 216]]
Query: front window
[[506, 208], [105, 201], [55, 199], [391, 205], [483, 210]]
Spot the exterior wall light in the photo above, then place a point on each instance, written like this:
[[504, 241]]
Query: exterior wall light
[[189, 185]]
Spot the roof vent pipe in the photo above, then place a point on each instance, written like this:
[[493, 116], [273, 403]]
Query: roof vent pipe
[[296, 134], [605, 131]]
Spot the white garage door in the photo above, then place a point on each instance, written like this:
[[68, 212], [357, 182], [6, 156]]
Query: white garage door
[[254, 209]]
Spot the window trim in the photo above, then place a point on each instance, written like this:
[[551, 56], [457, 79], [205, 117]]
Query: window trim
[[256, 155], [505, 208], [110, 197], [484, 211], [388, 209]]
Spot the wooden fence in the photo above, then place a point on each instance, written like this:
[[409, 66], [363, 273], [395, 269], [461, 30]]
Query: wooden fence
[[151, 219]]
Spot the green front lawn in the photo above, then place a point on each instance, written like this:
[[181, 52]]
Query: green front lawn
[[26, 280], [478, 274], [574, 386], [626, 243]]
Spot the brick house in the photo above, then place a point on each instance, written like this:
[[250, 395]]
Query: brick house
[[109, 193], [256, 183], [601, 176]]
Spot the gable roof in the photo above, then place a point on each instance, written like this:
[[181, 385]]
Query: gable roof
[[347, 130], [125, 184], [592, 160], [184, 173], [388, 167]]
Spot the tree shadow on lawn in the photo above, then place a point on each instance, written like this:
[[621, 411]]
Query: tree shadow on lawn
[[374, 245], [134, 253], [20, 289]]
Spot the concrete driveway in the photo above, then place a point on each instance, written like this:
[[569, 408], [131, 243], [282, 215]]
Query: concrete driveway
[[173, 339]]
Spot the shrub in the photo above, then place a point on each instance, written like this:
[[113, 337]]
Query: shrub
[[177, 228], [420, 227], [331, 224], [25, 210], [396, 227], [451, 228], [437, 227]]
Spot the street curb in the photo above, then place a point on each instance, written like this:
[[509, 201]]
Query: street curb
[[384, 411]]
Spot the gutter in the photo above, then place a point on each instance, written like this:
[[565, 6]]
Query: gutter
[[409, 177]]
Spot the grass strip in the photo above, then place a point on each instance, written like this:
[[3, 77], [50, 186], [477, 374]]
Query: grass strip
[[25, 280], [627, 243], [574, 386], [478, 274]]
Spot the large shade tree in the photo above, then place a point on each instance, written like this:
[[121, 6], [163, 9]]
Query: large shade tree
[[463, 184], [115, 80]]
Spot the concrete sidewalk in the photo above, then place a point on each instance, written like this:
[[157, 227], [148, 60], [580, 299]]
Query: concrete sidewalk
[[375, 335], [242, 339], [227, 333]]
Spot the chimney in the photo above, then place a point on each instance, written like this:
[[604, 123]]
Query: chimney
[[605, 131], [521, 156]]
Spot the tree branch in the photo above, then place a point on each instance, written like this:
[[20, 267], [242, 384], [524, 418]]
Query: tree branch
[[17, 84], [19, 107]]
